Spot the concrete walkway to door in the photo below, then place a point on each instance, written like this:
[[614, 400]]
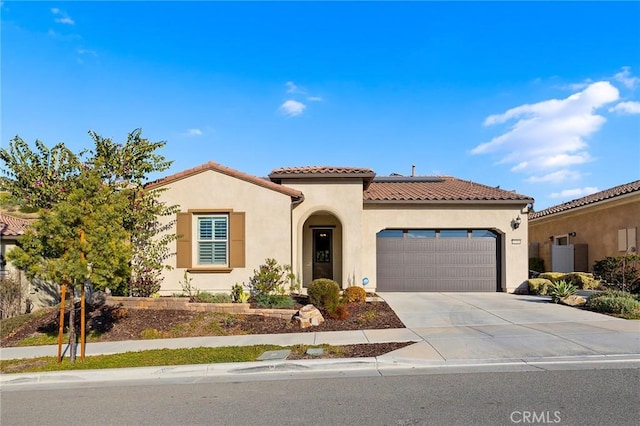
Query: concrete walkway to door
[[507, 326]]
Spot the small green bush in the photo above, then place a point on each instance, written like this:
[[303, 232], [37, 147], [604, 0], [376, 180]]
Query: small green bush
[[554, 277], [615, 293], [536, 264], [616, 305], [560, 290], [338, 311], [270, 279], [238, 295], [539, 285], [275, 301], [354, 295], [206, 297], [622, 271], [582, 280], [323, 293]]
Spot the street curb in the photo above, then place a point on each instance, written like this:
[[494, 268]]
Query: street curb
[[379, 366]]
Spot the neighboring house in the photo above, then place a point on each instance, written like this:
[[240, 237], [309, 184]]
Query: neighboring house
[[10, 229], [38, 293], [387, 233], [573, 235]]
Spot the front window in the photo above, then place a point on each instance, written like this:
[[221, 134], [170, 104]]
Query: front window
[[213, 247]]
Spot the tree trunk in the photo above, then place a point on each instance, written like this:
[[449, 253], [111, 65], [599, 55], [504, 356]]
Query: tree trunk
[[72, 326]]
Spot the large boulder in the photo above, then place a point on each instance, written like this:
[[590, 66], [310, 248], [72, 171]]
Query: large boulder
[[308, 316]]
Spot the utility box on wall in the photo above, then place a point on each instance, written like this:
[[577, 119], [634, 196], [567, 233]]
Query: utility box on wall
[[569, 258]]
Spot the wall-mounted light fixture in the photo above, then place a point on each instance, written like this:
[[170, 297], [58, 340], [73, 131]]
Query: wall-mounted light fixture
[[515, 223], [572, 234], [551, 238]]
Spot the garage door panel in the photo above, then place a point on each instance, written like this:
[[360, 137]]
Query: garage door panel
[[437, 264]]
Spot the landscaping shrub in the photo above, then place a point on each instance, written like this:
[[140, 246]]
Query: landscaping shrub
[[338, 311], [324, 293], [536, 264], [206, 297], [582, 280], [615, 303], [270, 279], [560, 290], [354, 295], [539, 285], [619, 270], [275, 301], [10, 296], [553, 276], [238, 295]]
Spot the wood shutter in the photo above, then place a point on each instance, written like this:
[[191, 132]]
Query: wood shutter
[[183, 243], [237, 238]]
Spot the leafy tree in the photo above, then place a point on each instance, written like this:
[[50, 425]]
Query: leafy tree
[[38, 178], [100, 195], [125, 168]]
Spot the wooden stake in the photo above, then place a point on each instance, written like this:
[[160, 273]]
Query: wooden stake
[[82, 306], [63, 293]]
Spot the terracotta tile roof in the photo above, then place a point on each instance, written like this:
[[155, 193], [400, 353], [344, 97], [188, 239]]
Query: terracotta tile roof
[[227, 171], [13, 226], [365, 174], [607, 194], [321, 170], [438, 189]]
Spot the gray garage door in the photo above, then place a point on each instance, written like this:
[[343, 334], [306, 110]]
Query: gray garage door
[[437, 260]]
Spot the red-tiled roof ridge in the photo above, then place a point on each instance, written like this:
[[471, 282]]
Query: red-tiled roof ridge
[[333, 170], [366, 174], [11, 226], [211, 165], [597, 197], [438, 189]]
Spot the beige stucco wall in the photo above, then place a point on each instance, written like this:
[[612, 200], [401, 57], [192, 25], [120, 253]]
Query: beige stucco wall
[[343, 200], [377, 217], [596, 225], [267, 229]]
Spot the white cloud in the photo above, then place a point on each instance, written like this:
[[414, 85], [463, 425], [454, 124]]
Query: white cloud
[[314, 98], [630, 107], [555, 177], [626, 78], [62, 17], [193, 132], [292, 108], [575, 193], [550, 134]]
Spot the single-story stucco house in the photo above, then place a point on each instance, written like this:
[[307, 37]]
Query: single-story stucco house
[[572, 236], [396, 233]]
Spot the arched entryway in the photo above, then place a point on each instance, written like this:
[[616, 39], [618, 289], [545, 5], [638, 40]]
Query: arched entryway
[[322, 248]]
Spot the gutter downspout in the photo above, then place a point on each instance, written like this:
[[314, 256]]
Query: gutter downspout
[[294, 204]]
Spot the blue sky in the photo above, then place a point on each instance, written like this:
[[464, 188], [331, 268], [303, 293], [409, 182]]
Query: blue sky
[[542, 98]]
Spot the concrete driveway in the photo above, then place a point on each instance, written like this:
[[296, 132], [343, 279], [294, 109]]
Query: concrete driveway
[[501, 325]]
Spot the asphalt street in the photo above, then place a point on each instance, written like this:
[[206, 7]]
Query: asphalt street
[[566, 397]]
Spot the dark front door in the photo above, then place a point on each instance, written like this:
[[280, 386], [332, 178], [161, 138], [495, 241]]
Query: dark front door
[[322, 254]]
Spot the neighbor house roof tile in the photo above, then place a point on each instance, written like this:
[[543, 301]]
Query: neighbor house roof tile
[[11, 226], [597, 197], [213, 166], [441, 188]]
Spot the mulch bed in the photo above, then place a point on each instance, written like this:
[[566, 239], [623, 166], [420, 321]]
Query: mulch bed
[[114, 323]]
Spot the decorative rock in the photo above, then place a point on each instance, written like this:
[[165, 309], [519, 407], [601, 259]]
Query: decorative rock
[[574, 300], [308, 316]]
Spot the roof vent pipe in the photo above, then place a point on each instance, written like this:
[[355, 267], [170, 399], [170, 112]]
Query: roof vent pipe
[[413, 170]]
